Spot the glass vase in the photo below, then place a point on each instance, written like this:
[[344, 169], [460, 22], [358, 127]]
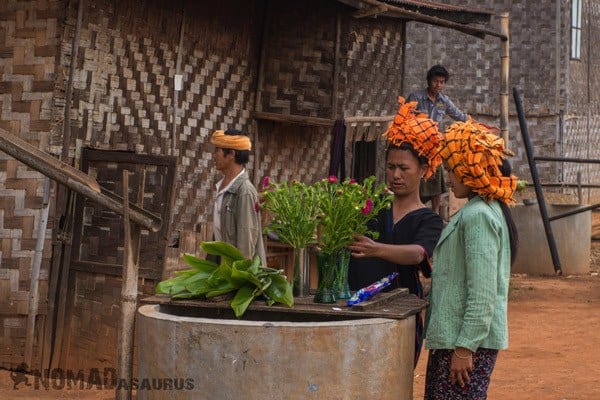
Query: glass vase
[[326, 267], [340, 284], [300, 283]]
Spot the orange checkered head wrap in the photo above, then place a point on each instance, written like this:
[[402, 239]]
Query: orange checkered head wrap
[[410, 126], [475, 153]]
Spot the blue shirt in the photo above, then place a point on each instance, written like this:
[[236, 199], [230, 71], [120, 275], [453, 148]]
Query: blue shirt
[[438, 108]]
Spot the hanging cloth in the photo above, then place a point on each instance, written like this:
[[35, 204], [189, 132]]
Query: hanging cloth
[[337, 157]]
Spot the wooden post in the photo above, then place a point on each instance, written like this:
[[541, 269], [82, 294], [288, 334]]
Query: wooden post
[[129, 291], [61, 251], [335, 112], [175, 91], [504, 74], [35, 275], [260, 80], [69, 88]]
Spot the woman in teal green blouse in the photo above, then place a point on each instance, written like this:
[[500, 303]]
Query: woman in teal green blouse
[[467, 316]]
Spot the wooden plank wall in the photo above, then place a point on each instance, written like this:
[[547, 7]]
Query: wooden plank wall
[[29, 32]]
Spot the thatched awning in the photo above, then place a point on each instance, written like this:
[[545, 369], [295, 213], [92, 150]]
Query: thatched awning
[[444, 15]]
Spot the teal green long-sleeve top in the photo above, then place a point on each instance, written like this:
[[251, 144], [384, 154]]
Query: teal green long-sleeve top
[[469, 282]]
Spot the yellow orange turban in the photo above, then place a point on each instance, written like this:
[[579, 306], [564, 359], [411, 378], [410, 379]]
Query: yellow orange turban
[[235, 142], [474, 153], [416, 129]]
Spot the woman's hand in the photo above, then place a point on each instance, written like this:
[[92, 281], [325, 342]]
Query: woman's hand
[[362, 246], [461, 366]]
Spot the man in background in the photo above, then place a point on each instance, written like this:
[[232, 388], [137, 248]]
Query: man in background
[[236, 216], [436, 105]]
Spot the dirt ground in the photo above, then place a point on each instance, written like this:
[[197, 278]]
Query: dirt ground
[[554, 354]]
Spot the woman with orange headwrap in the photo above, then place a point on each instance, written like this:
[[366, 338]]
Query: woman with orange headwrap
[[466, 319], [408, 231]]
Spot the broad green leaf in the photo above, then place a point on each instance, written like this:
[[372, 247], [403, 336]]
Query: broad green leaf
[[199, 264], [166, 287], [242, 277], [280, 290], [242, 265], [199, 287], [227, 251], [184, 295], [172, 289], [242, 299], [186, 272], [255, 265], [198, 276], [221, 276], [218, 292]]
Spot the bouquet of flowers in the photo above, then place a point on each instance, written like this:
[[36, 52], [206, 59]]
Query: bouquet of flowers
[[295, 210], [345, 208], [326, 215]]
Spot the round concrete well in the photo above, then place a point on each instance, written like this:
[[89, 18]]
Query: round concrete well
[[572, 235], [244, 359]]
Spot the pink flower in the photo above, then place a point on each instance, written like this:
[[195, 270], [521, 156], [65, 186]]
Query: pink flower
[[353, 181], [368, 207], [332, 179], [265, 181], [256, 206]]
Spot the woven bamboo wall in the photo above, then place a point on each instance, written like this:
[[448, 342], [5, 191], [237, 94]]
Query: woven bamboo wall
[[298, 77], [124, 90], [123, 99], [291, 152], [372, 70], [28, 42]]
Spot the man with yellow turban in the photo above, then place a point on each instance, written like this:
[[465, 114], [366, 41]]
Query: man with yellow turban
[[466, 319], [236, 216]]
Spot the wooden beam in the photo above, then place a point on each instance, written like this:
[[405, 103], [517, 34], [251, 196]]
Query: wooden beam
[[415, 16], [370, 11], [384, 118], [293, 119], [175, 91], [74, 179], [69, 89], [504, 76], [129, 290], [35, 276]]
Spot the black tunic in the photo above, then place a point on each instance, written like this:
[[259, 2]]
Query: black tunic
[[422, 227]]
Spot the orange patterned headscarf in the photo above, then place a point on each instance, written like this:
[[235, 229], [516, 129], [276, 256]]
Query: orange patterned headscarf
[[410, 126], [474, 153]]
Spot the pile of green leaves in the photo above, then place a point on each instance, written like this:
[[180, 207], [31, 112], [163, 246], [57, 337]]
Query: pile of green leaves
[[246, 277]]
